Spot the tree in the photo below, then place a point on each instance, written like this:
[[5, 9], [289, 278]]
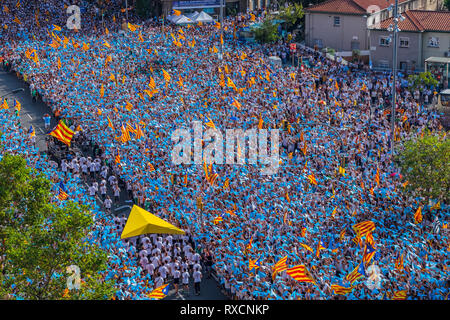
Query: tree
[[423, 79], [143, 8], [40, 240], [291, 15], [267, 32], [424, 161], [447, 4]]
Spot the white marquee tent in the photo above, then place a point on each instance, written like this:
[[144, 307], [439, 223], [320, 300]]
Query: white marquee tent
[[203, 17]]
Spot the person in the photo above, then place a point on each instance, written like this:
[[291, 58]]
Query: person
[[108, 203], [186, 281], [46, 121], [197, 275], [176, 279]]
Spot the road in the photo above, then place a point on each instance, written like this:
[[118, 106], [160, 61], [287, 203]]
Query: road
[[32, 114]]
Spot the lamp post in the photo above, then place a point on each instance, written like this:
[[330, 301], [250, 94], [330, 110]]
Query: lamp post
[[395, 29], [222, 4]]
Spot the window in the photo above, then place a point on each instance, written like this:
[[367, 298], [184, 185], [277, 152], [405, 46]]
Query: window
[[433, 42], [404, 42], [355, 45], [384, 41], [337, 21]]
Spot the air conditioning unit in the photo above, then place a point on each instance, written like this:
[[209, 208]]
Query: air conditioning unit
[[447, 54]]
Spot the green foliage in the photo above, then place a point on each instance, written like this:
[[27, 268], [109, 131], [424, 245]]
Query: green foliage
[[447, 4], [40, 240], [425, 164], [267, 32], [423, 79], [292, 14]]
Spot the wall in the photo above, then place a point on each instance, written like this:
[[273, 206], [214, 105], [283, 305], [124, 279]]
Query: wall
[[321, 26], [408, 55], [444, 44]]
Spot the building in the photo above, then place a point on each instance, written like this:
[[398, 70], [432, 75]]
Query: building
[[423, 34], [342, 24]]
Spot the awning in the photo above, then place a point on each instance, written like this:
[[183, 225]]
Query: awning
[[141, 221]]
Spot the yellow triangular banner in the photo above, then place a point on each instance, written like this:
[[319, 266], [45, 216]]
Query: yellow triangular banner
[[141, 221]]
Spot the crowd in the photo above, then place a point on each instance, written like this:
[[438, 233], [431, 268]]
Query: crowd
[[331, 115]]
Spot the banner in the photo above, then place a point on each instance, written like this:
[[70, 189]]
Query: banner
[[192, 4]]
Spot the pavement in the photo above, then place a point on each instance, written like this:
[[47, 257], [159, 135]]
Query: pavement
[[32, 113]]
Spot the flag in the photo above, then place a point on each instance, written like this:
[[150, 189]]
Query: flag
[[62, 133], [102, 91], [312, 179], [151, 167], [226, 184], [125, 134], [231, 84], [110, 123], [279, 267], [300, 273], [377, 177], [249, 246], [418, 215], [106, 44], [209, 123], [62, 194], [218, 219], [319, 247], [176, 12], [31, 132], [213, 176], [166, 75], [254, 264], [236, 104], [399, 263], [152, 84], [306, 247], [132, 27], [369, 252], [260, 123], [139, 133], [399, 295], [17, 105], [56, 28], [117, 159], [342, 234], [363, 228], [341, 171], [160, 292], [357, 273], [337, 289], [16, 20], [436, 206]]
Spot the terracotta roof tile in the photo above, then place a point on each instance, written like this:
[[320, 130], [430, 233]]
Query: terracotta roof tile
[[421, 20]]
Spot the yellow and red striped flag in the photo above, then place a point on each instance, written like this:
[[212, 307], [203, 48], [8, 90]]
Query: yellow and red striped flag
[[363, 228], [300, 273], [399, 295], [312, 179], [337, 289], [63, 133], [279, 267], [166, 75]]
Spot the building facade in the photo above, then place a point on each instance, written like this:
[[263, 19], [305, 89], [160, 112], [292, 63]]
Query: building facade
[[423, 34], [343, 24]]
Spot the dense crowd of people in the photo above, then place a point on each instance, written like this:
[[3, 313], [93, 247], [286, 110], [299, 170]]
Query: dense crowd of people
[[331, 116]]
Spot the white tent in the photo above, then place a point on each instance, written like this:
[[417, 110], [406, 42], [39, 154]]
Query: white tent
[[203, 17], [182, 20], [193, 15], [275, 60]]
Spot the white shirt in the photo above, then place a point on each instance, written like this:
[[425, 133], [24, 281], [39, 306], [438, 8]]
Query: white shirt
[[197, 276]]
